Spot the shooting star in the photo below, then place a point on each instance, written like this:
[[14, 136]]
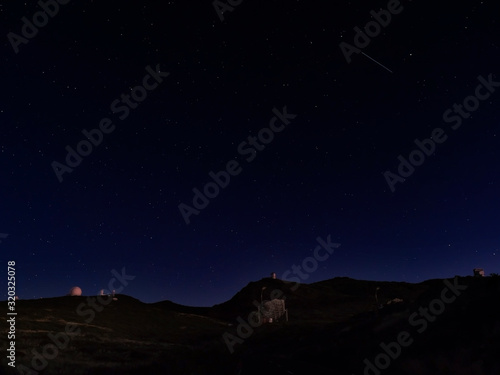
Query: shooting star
[[375, 61]]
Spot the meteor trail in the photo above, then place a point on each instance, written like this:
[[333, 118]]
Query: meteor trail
[[376, 62]]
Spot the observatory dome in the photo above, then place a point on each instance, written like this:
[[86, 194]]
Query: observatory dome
[[75, 291]]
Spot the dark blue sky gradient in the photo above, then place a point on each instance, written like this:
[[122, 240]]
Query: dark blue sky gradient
[[322, 175]]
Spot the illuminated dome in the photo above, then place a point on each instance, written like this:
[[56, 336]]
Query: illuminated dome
[[75, 291]]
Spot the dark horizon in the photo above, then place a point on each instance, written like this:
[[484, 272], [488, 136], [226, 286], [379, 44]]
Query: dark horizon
[[260, 280]]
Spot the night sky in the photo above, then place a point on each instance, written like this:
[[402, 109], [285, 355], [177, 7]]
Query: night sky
[[177, 93]]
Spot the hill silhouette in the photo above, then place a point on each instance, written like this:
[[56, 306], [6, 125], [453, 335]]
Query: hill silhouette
[[337, 326]]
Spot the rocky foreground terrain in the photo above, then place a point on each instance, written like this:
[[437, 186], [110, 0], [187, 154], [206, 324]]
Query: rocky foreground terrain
[[338, 326]]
